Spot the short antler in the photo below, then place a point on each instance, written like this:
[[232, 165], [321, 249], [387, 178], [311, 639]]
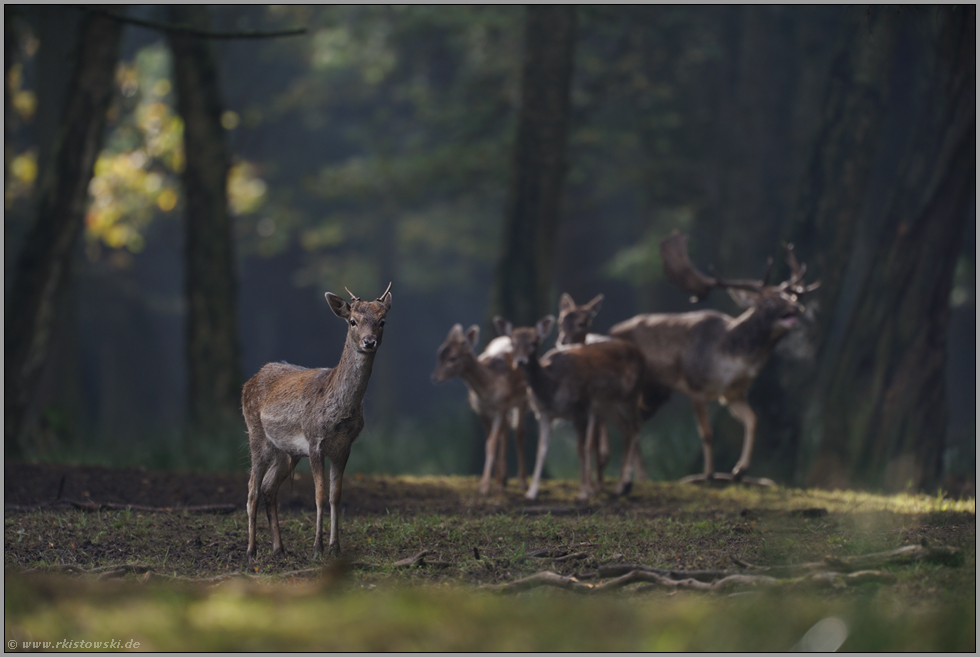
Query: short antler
[[387, 290], [683, 274], [795, 282], [352, 297]]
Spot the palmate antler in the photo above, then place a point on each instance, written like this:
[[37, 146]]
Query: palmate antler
[[795, 282], [682, 273]]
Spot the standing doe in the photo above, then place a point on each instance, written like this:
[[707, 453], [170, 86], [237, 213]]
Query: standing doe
[[497, 394], [585, 384], [708, 355], [292, 412]]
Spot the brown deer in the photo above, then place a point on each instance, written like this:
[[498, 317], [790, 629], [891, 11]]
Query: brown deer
[[708, 355], [574, 324], [497, 394], [292, 412], [584, 384]]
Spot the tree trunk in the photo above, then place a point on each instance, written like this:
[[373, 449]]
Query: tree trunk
[[214, 377], [522, 288], [884, 409], [44, 264], [831, 197]]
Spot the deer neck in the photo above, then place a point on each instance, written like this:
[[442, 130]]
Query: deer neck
[[542, 384], [750, 334], [351, 376], [477, 377]]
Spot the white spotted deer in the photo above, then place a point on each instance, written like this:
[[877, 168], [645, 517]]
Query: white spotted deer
[[584, 384], [708, 355], [497, 394], [293, 411]]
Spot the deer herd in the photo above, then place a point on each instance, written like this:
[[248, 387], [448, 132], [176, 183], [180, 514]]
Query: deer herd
[[590, 380]]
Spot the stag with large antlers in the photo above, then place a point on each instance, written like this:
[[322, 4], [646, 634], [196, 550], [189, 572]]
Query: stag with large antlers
[[292, 412], [708, 355]]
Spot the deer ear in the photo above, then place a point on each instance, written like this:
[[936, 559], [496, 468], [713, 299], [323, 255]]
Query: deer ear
[[502, 325], [385, 299], [743, 298], [544, 326], [473, 336], [456, 332], [595, 305], [339, 307], [565, 303]]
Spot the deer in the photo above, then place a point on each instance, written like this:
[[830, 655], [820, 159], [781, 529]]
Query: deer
[[294, 411], [497, 394], [585, 384], [708, 355]]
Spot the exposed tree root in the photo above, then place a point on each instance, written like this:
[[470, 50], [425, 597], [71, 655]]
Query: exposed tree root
[[833, 572], [112, 506]]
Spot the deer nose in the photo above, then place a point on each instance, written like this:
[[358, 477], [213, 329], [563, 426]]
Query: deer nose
[[369, 342]]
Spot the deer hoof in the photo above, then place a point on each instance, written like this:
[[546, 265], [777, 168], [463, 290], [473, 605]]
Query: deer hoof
[[624, 488], [250, 554]]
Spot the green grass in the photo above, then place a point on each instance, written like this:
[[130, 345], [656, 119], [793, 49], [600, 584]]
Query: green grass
[[931, 607]]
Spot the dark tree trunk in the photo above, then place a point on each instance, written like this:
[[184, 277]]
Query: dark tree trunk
[[214, 377], [522, 289], [884, 409], [831, 197], [43, 267]]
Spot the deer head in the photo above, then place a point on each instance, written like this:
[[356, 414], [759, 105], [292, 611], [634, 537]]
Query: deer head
[[365, 319], [526, 339], [574, 321], [778, 303], [455, 352]]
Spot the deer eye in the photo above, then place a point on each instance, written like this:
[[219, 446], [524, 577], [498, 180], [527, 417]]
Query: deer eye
[[381, 323], [353, 323]]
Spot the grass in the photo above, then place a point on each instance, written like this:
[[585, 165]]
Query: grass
[[930, 607]]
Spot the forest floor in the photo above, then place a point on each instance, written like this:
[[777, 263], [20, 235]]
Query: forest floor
[[94, 554]]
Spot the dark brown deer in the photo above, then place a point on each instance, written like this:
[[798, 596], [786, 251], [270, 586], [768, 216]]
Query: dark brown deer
[[708, 355], [574, 325], [293, 411], [497, 394], [584, 384]]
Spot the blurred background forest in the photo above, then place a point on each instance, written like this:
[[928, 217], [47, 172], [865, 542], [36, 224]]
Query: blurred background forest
[[390, 144]]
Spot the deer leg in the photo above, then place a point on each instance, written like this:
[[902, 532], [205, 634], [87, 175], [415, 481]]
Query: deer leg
[[707, 437], [336, 485], [518, 422], [491, 452], [602, 453], [741, 411], [585, 434], [320, 491], [544, 435], [638, 469], [502, 435], [278, 471], [630, 432], [259, 466]]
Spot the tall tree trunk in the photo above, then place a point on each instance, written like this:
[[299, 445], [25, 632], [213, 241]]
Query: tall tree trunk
[[884, 408], [522, 287], [831, 200], [43, 267], [214, 376]]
